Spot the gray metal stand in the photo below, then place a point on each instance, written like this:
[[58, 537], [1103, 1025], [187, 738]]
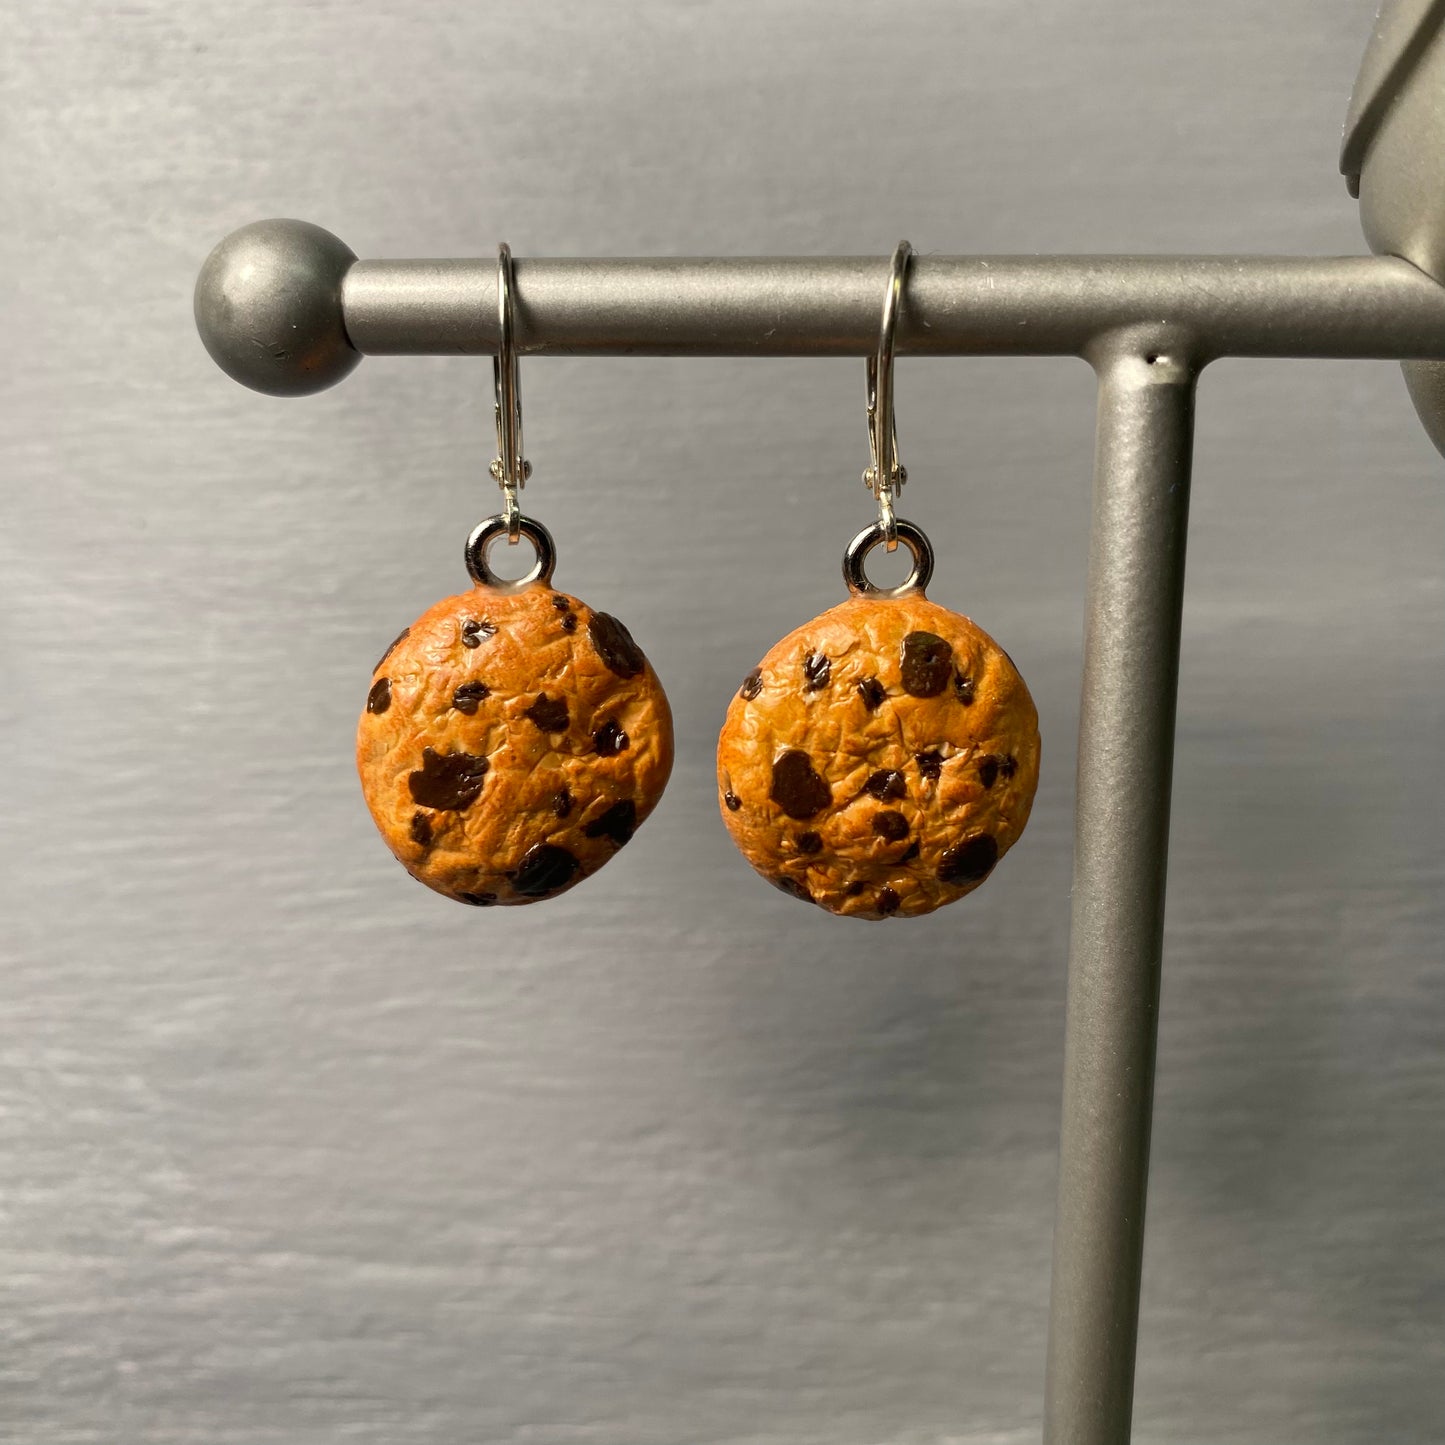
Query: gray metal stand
[[285, 307]]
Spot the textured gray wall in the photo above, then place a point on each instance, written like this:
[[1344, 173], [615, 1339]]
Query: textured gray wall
[[296, 1152]]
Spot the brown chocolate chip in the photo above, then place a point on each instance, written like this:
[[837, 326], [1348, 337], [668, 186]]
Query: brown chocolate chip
[[395, 642], [792, 888], [478, 900], [963, 689], [549, 713], [927, 663], [886, 783], [872, 692], [888, 901], [569, 622], [816, 672], [992, 767], [420, 829], [562, 802], [447, 782], [856, 887], [379, 698], [543, 870], [890, 825], [614, 645], [733, 801], [474, 629], [930, 765], [468, 695], [609, 739], [619, 823], [912, 853], [968, 861], [752, 685], [810, 843], [797, 788]]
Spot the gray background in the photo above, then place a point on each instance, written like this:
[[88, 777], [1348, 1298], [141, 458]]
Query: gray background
[[296, 1152]]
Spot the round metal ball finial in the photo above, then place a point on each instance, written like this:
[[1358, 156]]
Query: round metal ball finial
[[268, 307]]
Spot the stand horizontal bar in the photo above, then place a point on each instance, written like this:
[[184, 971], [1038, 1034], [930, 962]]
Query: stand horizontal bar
[[285, 307], [1357, 306]]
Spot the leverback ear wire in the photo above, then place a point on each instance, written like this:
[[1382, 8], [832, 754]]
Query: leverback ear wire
[[509, 467], [886, 475]]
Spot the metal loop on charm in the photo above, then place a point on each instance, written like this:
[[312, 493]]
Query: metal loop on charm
[[510, 467], [886, 475], [486, 533], [870, 537]]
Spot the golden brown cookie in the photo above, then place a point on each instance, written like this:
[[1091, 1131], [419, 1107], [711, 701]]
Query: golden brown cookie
[[880, 759], [511, 744]]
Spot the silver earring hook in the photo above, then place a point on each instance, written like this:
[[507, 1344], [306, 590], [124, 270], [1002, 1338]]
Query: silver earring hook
[[886, 475], [510, 468]]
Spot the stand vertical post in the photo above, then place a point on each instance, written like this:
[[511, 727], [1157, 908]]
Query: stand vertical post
[[1126, 754]]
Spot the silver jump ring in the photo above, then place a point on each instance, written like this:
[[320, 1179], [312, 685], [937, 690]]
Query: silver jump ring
[[876, 535], [487, 532]]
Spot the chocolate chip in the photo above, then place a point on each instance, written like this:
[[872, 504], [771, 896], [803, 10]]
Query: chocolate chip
[[816, 672], [886, 783], [609, 739], [968, 861], [792, 888], [797, 789], [468, 695], [379, 698], [615, 646], [872, 692], [543, 870], [619, 823], [447, 782], [549, 713], [474, 629], [752, 685], [569, 622], [927, 663], [733, 801], [963, 689], [395, 643], [888, 901], [561, 603], [912, 853], [420, 829], [890, 825], [992, 767], [856, 887], [930, 765], [478, 900], [809, 843], [562, 802]]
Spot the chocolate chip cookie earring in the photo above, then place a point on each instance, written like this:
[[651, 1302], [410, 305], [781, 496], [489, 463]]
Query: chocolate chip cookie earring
[[513, 739], [882, 758]]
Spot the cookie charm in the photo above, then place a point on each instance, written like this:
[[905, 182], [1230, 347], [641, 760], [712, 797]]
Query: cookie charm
[[513, 739], [881, 759]]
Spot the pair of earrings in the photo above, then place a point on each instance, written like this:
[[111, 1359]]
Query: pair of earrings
[[878, 762]]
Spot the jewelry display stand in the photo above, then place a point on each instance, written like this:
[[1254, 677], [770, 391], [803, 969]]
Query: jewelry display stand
[[286, 308]]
